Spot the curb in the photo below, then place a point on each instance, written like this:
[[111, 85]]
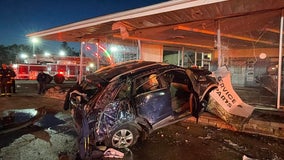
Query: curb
[[252, 126]]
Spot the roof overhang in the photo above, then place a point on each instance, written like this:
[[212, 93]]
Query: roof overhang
[[172, 22]]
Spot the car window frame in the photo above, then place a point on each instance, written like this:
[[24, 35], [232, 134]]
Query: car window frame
[[136, 86]]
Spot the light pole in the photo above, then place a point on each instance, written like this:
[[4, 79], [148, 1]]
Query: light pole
[[34, 41]]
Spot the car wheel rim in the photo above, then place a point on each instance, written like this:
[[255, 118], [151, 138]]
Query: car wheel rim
[[122, 138]]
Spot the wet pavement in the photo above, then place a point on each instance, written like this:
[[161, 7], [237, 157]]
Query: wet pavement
[[46, 139], [54, 135]]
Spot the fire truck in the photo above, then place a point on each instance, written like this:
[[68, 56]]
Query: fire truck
[[60, 69]]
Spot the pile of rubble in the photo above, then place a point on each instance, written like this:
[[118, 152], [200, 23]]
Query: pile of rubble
[[56, 92]]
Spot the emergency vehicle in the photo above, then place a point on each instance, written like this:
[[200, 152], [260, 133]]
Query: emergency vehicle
[[66, 67]]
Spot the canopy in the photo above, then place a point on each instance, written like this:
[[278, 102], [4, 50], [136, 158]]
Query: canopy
[[179, 22]]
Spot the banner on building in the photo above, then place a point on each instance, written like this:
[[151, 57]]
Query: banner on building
[[227, 97]]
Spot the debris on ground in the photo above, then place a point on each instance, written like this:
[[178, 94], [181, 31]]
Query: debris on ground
[[247, 158], [55, 92], [63, 156], [112, 153]]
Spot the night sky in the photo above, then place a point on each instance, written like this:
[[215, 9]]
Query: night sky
[[21, 17]]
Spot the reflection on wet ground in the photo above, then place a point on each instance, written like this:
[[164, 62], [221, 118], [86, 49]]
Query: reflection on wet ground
[[13, 120], [179, 141], [49, 121], [51, 136], [17, 115]]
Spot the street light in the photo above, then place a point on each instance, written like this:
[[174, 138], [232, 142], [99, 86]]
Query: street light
[[23, 56], [34, 41], [62, 53], [47, 54]]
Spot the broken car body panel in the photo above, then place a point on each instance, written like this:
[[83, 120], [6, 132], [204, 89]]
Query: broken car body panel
[[132, 99]]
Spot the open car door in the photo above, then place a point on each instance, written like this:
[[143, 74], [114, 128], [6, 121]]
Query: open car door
[[153, 100]]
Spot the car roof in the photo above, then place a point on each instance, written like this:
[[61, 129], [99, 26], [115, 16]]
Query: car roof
[[109, 73]]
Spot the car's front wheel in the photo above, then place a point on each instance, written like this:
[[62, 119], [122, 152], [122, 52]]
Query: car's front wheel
[[123, 136]]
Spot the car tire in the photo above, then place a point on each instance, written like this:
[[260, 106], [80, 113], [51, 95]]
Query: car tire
[[59, 79], [123, 136]]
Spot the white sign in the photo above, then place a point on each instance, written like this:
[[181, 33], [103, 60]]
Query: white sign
[[227, 97]]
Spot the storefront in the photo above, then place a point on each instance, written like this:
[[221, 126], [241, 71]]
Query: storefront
[[245, 36]]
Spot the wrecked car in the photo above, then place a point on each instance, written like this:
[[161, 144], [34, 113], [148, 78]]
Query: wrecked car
[[120, 104]]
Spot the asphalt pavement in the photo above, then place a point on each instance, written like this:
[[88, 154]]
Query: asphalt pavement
[[56, 128]]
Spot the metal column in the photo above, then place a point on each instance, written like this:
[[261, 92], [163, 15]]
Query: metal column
[[81, 63], [220, 56], [280, 62]]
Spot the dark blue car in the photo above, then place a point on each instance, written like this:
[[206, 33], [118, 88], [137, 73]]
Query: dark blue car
[[119, 104]]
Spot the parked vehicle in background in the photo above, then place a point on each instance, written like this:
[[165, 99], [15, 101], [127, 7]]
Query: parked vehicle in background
[[30, 71], [60, 68], [117, 105]]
